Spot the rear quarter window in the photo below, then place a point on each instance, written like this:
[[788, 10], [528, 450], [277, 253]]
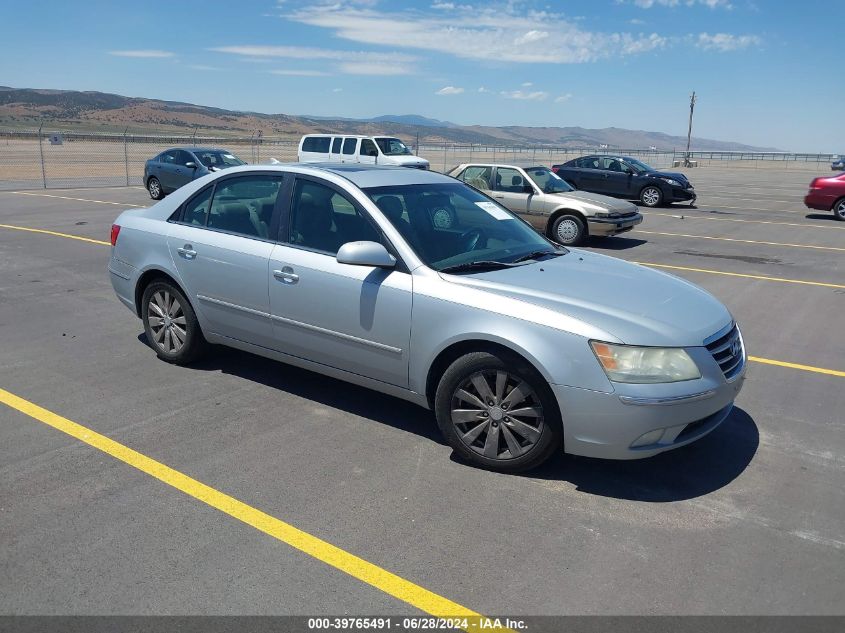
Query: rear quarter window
[[318, 144]]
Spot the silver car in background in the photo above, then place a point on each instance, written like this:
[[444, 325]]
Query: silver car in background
[[549, 203], [519, 346]]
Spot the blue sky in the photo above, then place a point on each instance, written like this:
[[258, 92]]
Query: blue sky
[[767, 73]]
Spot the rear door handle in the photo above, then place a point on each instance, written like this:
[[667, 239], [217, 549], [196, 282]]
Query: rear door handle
[[286, 275], [187, 251]]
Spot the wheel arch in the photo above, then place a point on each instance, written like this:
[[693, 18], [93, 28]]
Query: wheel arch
[[148, 277], [455, 350]]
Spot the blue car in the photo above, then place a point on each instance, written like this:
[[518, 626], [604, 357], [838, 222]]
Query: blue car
[[178, 166], [838, 164]]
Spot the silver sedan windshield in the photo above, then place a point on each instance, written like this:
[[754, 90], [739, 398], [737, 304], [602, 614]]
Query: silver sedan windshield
[[448, 225]]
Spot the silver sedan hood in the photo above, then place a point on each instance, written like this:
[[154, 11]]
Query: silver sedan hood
[[605, 202], [637, 305]]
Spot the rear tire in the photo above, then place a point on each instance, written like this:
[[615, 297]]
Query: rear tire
[[651, 196], [839, 209], [569, 230], [170, 324], [154, 187], [498, 412]]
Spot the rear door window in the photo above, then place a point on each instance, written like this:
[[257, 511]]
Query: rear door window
[[244, 205], [336, 143], [317, 144]]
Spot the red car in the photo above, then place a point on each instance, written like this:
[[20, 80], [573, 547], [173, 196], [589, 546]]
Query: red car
[[827, 194]]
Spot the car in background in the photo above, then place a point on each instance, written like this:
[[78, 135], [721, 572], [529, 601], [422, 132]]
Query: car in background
[[178, 166], [368, 150], [838, 164], [522, 348], [549, 203], [626, 177], [827, 194]]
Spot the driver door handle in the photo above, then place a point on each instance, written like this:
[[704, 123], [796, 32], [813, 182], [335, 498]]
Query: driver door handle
[[187, 251], [286, 275], [499, 197]]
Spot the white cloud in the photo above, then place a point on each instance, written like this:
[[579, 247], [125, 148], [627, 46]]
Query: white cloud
[[636, 22], [337, 89], [299, 73], [374, 68], [501, 33], [725, 42], [484, 90], [563, 98], [204, 67], [151, 54], [527, 84], [539, 95], [447, 6], [449, 90], [306, 52]]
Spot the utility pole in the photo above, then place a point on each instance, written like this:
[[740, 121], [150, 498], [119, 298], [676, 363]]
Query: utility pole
[[689, 130]]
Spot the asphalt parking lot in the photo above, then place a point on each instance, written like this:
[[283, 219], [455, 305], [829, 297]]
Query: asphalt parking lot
[[749, 520]]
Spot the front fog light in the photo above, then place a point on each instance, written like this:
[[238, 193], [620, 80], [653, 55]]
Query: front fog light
[[648, 365]]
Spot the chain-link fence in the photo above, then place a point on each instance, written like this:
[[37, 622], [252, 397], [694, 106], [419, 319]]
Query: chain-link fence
[[43, 160]]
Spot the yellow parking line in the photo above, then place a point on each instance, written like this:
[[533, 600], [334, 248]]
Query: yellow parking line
[[696, 217], [745, 275], [731, 239], [46, 232], [49, 195], [367, 572], [780, 363]]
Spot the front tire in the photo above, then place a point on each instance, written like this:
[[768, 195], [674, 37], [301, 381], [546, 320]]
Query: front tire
[[170, 324], [839, 209], [569, 230], [498, 412], [154, 187], [651, 196]]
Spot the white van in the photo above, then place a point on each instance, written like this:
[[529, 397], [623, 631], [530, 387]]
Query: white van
[[371, 150]]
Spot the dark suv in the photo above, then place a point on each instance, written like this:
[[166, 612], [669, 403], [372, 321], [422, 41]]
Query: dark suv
[[626, 177]]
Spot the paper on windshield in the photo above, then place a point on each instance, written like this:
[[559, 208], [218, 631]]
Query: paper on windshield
[[494, 210], [228, 156]]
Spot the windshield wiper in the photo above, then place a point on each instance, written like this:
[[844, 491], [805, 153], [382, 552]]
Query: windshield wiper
[[487, 264], [536, 255]]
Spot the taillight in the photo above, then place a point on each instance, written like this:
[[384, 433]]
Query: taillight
[[814, 183], [115, 231]]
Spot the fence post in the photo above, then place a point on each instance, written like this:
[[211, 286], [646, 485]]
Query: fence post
[[41, 152], [444, 158], [126, 156]]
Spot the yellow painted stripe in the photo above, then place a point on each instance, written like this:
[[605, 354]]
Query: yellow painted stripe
[[731, 239], [366, 572], [46, 232], [747, 276], [698, 217], [50, 195], [780, 363]]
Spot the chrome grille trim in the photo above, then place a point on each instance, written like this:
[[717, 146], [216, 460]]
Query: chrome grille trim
[[728, 351]]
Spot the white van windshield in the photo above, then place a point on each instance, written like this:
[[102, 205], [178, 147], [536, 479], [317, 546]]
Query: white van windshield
[[392, 147]]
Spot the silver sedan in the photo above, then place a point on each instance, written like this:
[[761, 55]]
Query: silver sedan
[[416, 285]]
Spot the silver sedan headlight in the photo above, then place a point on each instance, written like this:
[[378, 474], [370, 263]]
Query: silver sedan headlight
[[626, 363]]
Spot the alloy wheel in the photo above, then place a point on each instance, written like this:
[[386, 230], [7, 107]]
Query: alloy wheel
[[167, 322], [651, 196], [497, 415], [567, 230], [840, 209], [155, 188]]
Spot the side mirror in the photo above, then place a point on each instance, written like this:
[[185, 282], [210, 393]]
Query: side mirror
[[191, 165], [365, 254], [526, 188], [373, 153]]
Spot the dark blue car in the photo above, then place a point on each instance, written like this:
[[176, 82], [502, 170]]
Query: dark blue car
[[178, 166], [626, 177]]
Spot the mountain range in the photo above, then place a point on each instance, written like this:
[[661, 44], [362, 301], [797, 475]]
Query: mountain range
[[66, 110]]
